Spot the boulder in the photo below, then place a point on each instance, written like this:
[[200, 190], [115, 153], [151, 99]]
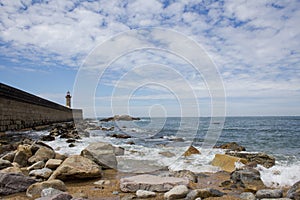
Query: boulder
[[13, 183], [22, 154], [191, 150], [4, 164], [150, 183], [41, 173], [203, 193], [226, 162], [77, 167], [35, 190], [42, 154], [247, 178], [103, 154], [247, 196], [145, 194], [294, 191], [53, 163], [120, 118], [37, 165], [268, 193], [177, 192], [233, 146], [259, 158]]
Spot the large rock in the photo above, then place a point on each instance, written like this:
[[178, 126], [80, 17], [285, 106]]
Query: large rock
[[22, 154], [226, 162], [232, 146], [185, 173], [145, 194], [294, 191], [177, 192], [42, 154], [203, 193], [9, 156], [4, 164], [150, 183], [35, 190], [259, 158], [76, 167], [53, 163], [37, 165], [120, 118], [268, 193], [247, 178], [190, 151], [13, 183], [41, 173], [103, 154], [13, 169]]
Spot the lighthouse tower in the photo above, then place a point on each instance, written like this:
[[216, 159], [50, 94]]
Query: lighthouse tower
[[68, 100]]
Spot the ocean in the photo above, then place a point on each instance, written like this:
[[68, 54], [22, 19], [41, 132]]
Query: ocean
[[159, 143]]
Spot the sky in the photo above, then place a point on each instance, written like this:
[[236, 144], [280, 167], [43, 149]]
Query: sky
[[253, 45]]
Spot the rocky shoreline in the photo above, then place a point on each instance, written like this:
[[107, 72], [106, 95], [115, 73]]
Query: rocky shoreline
[[31, 169]]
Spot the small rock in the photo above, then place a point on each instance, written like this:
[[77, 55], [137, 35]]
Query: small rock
[[71, 140], [277, 199], [102, 182], [35, 190], [145, 194], [268, 193], [48, 192], [191, 150], [129, 197], [177, 192], [187, 174], [115, 192], [204, 193], [47, 138], [294, 191], [247, 196], [53, 163], [72, 145], [41, 173], [60, 196], [5, 164], [37, 165]]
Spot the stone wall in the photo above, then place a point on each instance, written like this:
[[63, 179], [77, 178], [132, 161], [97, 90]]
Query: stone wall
[[19, 110]]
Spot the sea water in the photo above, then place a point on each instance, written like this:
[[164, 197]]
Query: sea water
[[277, 136]]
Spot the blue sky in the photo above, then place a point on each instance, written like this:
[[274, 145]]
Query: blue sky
[[254, 44]]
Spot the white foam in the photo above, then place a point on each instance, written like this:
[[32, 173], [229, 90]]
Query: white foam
[[280, 175]]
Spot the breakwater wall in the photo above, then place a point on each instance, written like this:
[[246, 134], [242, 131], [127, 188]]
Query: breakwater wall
[[20, 110]]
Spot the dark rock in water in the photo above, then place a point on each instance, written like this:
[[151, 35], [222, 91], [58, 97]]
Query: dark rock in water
[[72, 145], [71, 140], [232, 146], [107, 129], [121, 136], [259, 158], [204, 193], [268, 193], [191, 150], [13, 183], [247, 178], [294, 191], [47, 138], [120, 118], [130, 142]]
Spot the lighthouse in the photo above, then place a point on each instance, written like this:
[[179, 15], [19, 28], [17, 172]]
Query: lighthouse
[[68, 100]]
